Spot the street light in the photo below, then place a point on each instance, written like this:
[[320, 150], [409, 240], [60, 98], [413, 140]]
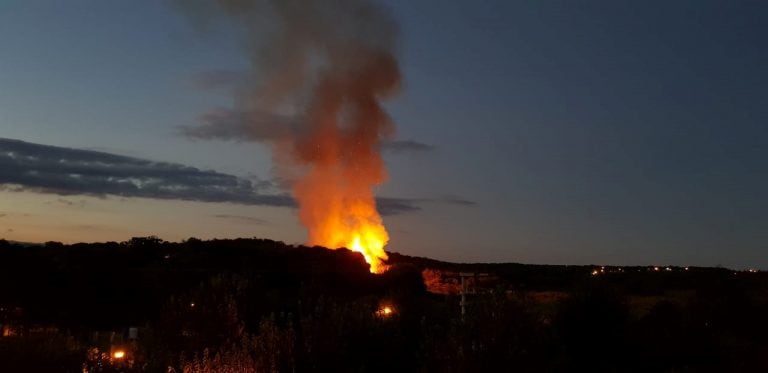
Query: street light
[[385, 311]]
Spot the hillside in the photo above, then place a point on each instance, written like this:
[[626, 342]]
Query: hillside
[[308, 308]]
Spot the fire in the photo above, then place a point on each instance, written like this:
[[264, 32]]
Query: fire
[[318, 102], [333, 221], [371, 244], [369, 241], [340, 163]]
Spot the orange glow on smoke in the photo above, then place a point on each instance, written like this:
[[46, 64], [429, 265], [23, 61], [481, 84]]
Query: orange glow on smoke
[[339, 160], [318, 103], [334, 221]]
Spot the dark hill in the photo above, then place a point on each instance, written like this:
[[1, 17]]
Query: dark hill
[[269, 306]]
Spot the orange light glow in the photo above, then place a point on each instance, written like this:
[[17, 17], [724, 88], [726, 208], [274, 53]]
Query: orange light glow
[[335, 162], [119, 354], [370, 242], [385, 311], [343, 216]]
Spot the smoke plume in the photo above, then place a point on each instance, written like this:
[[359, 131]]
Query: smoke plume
[[319, 70]]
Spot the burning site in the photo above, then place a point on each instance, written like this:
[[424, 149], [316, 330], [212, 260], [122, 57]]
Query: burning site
[[198, 186], [324, 68]]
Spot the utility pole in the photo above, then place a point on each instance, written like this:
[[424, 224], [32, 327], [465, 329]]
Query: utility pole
[[466, 289]]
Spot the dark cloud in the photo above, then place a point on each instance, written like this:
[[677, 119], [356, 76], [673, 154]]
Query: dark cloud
[[258, 126], [264, 184], [67, 172], [394, 206], [406, 146], [64, 171], [111, 150], [242, 219]]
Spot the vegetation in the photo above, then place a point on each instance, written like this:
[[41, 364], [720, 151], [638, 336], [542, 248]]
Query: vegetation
[[254, 305]]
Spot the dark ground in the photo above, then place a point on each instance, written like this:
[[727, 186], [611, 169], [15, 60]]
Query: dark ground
[[260, 305]]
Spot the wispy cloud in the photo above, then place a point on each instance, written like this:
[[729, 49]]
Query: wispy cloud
[[68, 203], [406, 146], [394, 206], [68, 172], [259, 126], [64, 171], [242, 219]]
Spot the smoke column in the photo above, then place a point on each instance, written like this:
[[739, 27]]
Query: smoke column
[[319, 71]]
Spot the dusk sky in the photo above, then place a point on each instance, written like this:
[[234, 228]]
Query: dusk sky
[[558, 132]]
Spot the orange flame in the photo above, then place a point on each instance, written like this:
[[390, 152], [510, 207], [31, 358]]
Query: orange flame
[[338, 215], [341, 160], [324, 74]]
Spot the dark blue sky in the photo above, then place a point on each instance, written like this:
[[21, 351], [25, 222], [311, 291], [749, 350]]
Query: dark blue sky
[[590, 132]]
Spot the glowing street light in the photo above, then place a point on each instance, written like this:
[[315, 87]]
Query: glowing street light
[[118, 354], [385, 311]]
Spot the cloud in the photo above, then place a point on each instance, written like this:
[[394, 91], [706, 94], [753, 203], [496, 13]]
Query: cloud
[[242, 219], [68, 172], [394, 206], [65, 171], [406, 146], [259, 126]]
